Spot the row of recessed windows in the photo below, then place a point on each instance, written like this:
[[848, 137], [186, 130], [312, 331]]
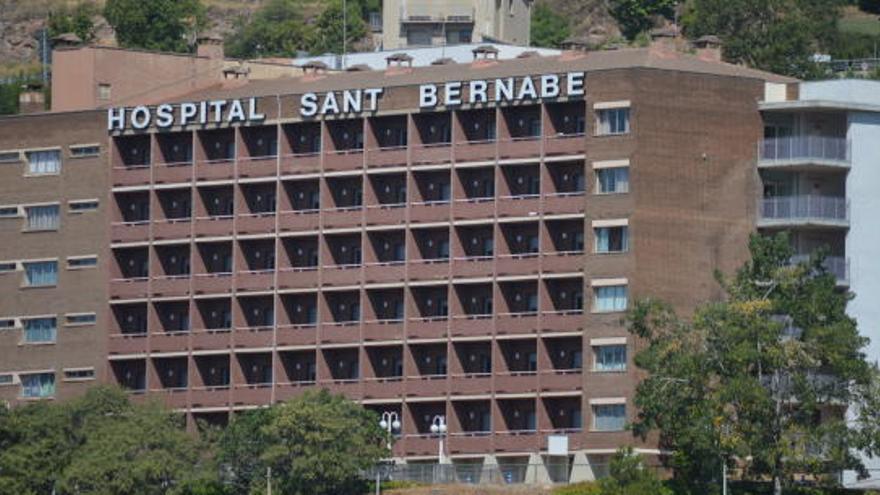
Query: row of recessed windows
[[44, 329], [47, 161], [45, 217], [44, 273], [41, 385]]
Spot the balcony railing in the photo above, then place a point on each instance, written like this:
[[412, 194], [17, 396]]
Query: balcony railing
[[804, 148], [808, 208], [835, 265]]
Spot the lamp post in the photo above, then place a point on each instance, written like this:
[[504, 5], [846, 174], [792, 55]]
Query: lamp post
[[438, 427], [390, 422]]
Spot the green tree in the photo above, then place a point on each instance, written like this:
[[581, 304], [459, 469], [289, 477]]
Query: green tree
[[329, 28], [77, 21], [637, 16], [628, 475], [761, 379], [549, 28], [239, 449], [164, 25], [319, 443], [774, 35], [276, 30]]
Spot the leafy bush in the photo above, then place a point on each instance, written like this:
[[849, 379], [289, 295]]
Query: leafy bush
[[584, 488]]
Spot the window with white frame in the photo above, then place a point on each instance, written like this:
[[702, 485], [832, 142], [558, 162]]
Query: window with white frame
[[77, 262], [40, 330], [79, 374], [46, 162], [81, 319], [86, 150], [7, 266], [612, 121], [37, 385], [7, 323], [81, 206], [10, 156], [610, 357], [43, 217], [7, 379], [609, 298], [609, 417], [612, 180], [612, 239], [40, 273], [9, 212]]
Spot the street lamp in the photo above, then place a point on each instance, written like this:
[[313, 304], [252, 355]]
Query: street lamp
[[389, 422], [438, 427]]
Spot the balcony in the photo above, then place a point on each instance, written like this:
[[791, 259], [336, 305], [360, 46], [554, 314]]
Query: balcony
[[349, 388], [216, 226], [386, 214], [383, 330], [471, 384], [431, 154], [421, 445], [211, 339], [170, 342], [253, 337], [130, 231], [562, 380], [171, 398], [343, 160], [300, 163], [288, 390], [260, 166], [174, 228], [255, 394], [383, 388], [433, 327], [169, 173], [392, 271], [208, 170], [299, 221], [128, 288], [469, 443], [517, 382], [565, 144], [387, 157], [571, 320], [806, 211], [475, 151], [298, 277], [345, 217], [131, 175], [345, 332], [517, 323], [472, 325], [171, 285], [255, 280], [518, 441], [297, 335], [473, 266], [838, 266], [122, 344], [256, 223], [210, 396], [519, 206], [804, 151], [212, 283], [474, 209], [517, 264], [336, 275], [561, 203], [563, 262], [520, 147], [429, 269], [429, 211]]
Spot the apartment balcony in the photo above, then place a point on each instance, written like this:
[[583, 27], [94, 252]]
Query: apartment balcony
[[345, 332], [468, 443], [516, 323], [253, 337], [129, 288], [300, 163], [216, 226], [571, 320], [562, 380], [171, 398], [517, 264], [289, 390], [518, 441], [519, 206], [803, 211], [429, 212], [383, 388], [471, 383], [473, 209], [337, 275], [565, 144], [260, 166], [562, 262], [171, 285], [212, 283], [252, 394], [210, 396], [297, 335], [349, 388], [421, 444], [433, 327], [473, 266], [426, 386], [298, 277], [256, 223], [255, 280], [431, 154], [516, 382], [211, 339], [132, 175], [416, 12], [520, 147], [472, 325], [804, 152], [299, 221], [124, 344], [170, 341], [210, 170], [386, 214], [475, 151], [341, 218], [343, 160], [172, 228], [834, 265], [423, 270], [387, 157], [383, 330], [392, 271], [562, 203], [170, 173], [130, 231]]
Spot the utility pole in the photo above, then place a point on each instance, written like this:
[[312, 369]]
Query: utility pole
[[269, 480]]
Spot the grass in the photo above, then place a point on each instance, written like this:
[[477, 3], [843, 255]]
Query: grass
[[858, 22]]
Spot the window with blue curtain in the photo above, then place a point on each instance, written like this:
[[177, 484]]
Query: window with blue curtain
[[612, 239], [610, 298], [43, 273], [42, 217], [611, 358], [40, 330], [613, 180], [44, 162], [38, 385], [609, 417]]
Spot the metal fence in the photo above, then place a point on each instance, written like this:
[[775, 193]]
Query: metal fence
[[824, 148], [807, 207]]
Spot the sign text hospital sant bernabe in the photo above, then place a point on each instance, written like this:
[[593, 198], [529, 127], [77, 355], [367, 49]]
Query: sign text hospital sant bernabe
[[349, 101]]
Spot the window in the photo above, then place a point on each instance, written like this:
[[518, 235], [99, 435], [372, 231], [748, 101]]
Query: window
[[612, 180], [39, 330], [41, 218], [82, 262], [9, 212], [83, 151], [79, 374], [41, 274], [610, 358], [44, 162], [612, 239], [609, 417], [613, 121], [6, 267], [7, 324], [81, 319], [104, 91], [10, 156], [6, 379], [82, 206], [38, 385], [610, 298]]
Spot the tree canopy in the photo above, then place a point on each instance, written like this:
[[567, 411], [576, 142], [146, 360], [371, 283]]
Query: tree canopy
[[163, 25], [760, 380], [638, 16], [77, 20], [549, 28]]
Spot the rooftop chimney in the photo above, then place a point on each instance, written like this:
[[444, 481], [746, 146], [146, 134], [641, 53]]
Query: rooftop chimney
[[31, 99]]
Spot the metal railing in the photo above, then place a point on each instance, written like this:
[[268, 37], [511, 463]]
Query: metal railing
[[825, 148], [804, 208]]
